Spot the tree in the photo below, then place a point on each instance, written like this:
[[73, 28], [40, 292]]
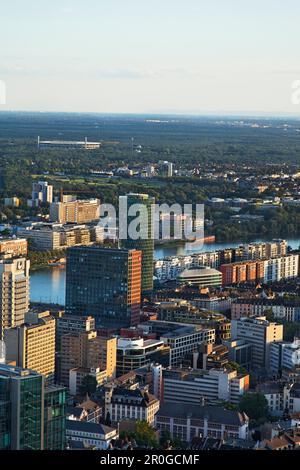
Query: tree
[[235, 366], [88, 386], [255, 405], [144, 435]]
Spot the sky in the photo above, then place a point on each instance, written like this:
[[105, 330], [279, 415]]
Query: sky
[[150, 56]]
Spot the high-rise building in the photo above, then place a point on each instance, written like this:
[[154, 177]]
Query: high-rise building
[[54, 417], [145, 245], [260, 333], [104, 283], [89, 352], [32, 345], [72, 324], [42, 192], [14, 292], [65, 324], [21, 409], [165, 168], [74, 211], [32, 416]]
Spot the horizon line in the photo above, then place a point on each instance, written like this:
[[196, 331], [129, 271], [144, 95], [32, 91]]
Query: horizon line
[[228, 114]]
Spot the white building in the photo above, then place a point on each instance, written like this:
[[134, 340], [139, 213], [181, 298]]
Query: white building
[[122, 403], [260, 333], [284, 355], [42, 192], [193, 386], [185, 421], [90, 434]]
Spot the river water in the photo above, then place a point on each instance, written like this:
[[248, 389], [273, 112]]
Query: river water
[[48, 284]]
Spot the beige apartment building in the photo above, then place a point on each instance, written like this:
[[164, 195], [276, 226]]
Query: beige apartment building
[[14, 292], [86, 350], [13, 246], [71, 210], [56, 236], [32, 345]]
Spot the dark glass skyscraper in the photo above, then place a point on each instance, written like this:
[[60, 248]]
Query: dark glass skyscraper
[[146, 246], [21, 409], [32, 417], [104, 283], [54, 417]]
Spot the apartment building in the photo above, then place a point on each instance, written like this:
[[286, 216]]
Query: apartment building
[[90, 435], [267, 270], [32, 345], [74, 211], [42, 192], [281, 309], [194, 386], [86, 353], [13, 246]]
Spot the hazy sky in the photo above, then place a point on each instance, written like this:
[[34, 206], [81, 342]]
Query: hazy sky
[[150, 56]]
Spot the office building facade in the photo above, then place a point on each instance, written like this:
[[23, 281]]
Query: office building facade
[[32, 416], [260, 333], [104, 283], [145, 245], [194, 386]]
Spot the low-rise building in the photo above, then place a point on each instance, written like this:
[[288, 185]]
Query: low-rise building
[[91, 435], [281, 309], [193, 386], [185, 421], [123, 403], [181, 338], [138, 352], [264, 270]]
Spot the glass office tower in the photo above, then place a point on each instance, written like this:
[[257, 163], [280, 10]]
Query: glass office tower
[[21, 409], [32, 417], [54, 417], [146, 246], [104, 283]]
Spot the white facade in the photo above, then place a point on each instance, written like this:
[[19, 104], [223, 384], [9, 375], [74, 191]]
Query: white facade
[[211, 385]]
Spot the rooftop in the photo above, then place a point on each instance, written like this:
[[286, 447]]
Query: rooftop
[[212, 413], [85, 426]]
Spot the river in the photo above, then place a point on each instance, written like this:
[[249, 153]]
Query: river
[[48, 284]]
